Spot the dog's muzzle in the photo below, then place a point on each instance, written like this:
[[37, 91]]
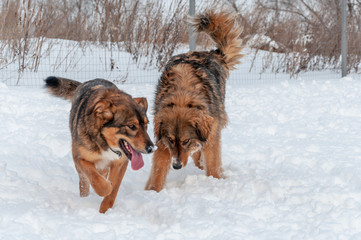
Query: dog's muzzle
[[150, 148], [176, 164]]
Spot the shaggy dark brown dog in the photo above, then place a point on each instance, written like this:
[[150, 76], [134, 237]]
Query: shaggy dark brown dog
[[108, 128], [189, 103]]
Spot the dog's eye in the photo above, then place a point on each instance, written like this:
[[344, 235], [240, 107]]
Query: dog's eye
[[185, 142], [171, 140], [132, 127]]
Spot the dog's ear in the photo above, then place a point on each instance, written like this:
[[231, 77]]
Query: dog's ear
[[142, 102], [203, 126], [158, 124], [102, 110]]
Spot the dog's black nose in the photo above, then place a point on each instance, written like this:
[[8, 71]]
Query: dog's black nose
[[177, 165], [150, 148]]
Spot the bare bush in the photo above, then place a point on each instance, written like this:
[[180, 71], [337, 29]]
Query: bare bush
[[21, 34], [144, 28], [307, 32]]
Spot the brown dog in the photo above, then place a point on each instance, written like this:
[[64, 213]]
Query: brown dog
[[189, 104], [108, 128]]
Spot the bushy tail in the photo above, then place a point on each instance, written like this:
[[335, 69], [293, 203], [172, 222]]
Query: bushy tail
[[223, 29], [61, 87]]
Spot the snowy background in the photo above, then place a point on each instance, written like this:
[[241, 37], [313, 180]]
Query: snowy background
[[291, 151]]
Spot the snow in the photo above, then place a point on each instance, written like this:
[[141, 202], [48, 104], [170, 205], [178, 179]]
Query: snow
[[263, 42], [291, 153]]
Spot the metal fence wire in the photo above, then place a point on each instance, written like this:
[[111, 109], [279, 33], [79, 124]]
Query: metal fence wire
[[34, 59]]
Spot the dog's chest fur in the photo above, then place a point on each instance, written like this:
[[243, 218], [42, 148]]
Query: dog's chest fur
[[107, 157]]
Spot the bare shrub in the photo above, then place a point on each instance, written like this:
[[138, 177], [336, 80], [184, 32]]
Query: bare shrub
[[307, 32], [146, 29], [21, 34], [143, 28]]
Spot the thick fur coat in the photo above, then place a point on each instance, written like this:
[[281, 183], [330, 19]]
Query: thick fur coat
[[108, 128], [189, 111]]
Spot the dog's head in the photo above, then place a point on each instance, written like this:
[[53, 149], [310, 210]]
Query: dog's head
[[183, 131], [122, 121]]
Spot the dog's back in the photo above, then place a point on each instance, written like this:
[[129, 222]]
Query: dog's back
[[61, 87], [71, 89], [84, 96], [197, 79]]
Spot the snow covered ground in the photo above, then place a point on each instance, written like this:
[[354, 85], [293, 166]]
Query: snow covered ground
[[291, 151]]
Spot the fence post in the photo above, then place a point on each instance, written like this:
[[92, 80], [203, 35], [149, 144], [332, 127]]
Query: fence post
[[344, 38], [192, 36]]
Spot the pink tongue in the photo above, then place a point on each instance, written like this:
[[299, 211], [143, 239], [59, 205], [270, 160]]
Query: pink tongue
[[137, 160]]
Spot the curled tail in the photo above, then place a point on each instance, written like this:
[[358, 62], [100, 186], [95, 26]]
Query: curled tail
[[61, 87], [223, 29]]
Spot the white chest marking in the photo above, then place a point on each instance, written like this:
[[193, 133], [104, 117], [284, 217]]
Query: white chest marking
[[107, 157]]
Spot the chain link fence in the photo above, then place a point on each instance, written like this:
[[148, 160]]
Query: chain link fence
[[130, 51]]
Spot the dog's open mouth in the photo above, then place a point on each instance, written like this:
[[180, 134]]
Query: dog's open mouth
[[134, 156]]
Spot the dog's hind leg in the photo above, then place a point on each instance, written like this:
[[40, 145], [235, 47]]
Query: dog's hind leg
[[160, 169], [83, 183], [116, 175]]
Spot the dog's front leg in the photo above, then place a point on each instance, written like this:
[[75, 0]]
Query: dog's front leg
[[160, 169], [116, 174], [212, 155], [198, 161], [101, 186]]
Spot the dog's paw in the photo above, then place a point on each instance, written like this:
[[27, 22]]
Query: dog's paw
[[107, 203], [218, 173], [153, 187]]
